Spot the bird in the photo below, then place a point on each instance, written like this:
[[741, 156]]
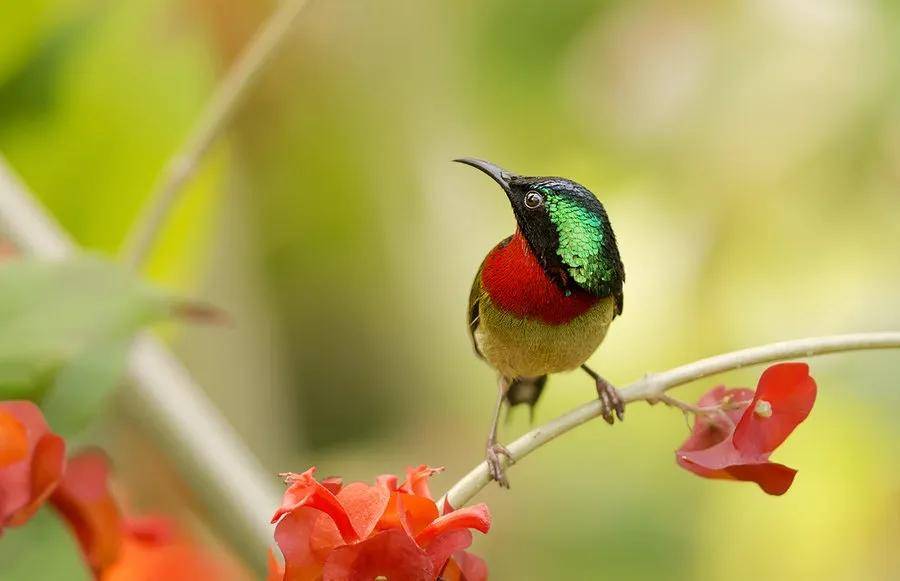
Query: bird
[[543, 299]]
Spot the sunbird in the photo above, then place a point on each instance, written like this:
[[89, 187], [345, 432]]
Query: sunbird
[[544, 297]]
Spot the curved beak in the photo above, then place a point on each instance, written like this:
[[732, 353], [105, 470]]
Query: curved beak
[[500, 175]]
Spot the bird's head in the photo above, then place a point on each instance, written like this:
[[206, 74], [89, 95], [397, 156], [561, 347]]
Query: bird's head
[[566, 227]]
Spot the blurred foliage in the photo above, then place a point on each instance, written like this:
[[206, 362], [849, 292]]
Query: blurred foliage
[[44, 549], [748, 154], [65, 329]]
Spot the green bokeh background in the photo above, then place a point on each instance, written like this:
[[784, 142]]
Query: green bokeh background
[[748, 154]]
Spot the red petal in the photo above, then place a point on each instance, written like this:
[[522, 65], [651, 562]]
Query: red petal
[[27, 479], [150, 530], [387, 481], [390, 554], [13, 439], [274, 570], [84, 500], [465, 567], [305, 491], [725, 462], [292, 535], [417, 480], [333, 483], [472, 568], [409, 512], [476, 517], [774, 479], [363, 504], [791, 393], [181, 559], [710, 430], [48, 463], [440, 549]]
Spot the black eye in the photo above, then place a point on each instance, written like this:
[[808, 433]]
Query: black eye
[[533, 199]]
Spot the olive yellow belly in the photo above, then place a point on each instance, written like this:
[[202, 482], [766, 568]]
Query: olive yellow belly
[[521, 347]]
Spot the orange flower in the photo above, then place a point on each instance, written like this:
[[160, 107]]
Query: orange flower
[[85, 502], [153, 549], [331, 532], [121, 549], [32, 460]]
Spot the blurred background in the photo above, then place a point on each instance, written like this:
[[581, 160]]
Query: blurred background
[[748, 154]]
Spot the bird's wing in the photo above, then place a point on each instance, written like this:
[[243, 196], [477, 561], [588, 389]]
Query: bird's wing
[[474, 313]]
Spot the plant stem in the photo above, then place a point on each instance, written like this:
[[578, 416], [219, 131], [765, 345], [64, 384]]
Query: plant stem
[[210, 125], [651, 386], [207, 450]]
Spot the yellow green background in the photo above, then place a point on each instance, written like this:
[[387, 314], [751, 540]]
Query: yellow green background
[[748, 154]]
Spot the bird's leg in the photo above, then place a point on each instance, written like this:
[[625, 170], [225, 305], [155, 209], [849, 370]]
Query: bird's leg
[[610, 399], [494, 449]]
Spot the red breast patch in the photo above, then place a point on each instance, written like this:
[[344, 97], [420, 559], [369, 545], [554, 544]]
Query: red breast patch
[[516, 282]]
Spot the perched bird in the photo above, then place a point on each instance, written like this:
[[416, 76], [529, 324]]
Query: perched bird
[[544, 297]]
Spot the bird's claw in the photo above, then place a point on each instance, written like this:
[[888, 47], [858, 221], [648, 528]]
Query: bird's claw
[[497, 472], [610, 401]]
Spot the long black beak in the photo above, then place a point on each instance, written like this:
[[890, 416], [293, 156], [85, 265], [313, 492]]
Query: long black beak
[[500, 175]]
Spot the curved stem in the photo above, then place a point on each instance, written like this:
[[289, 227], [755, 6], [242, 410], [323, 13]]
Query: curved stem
[[213, 120], [653, 385]]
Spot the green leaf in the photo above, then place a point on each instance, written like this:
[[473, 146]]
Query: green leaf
[[65, 329], [82, 386], [43, 548]]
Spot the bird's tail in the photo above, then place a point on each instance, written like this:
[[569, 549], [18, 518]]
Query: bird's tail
[[525, 390]]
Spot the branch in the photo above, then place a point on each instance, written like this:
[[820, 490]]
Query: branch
[[652, 386], [204, 446], [213, 120]]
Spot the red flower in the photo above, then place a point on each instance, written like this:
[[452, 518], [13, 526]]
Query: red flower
[[85, 502], [122, 549], [331, 532], [32, 460], [737, 445], [154, 548]]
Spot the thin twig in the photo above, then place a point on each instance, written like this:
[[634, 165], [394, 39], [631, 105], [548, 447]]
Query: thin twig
[[207, 450], [213, 120], [653, 385]]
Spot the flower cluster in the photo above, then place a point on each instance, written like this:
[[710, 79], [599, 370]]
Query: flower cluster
[[734, 440], [34, 471], [333, 532], [32, 460]]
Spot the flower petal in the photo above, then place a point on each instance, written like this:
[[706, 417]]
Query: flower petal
[[390, 554], [292, 535], [13, 439], [306, 491], [709, 430], [444, 545], [409, 512], [387, 481], [274, 569], [773, 478], [789, 392], [47, 466], [417, 479], [363, 504], [84, 500], [150, 530], [476, 517], [725, 462], [27, 482], [178, 559], [465, 566]]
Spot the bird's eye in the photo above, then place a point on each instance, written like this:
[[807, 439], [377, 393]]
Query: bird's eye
[[533, 199]]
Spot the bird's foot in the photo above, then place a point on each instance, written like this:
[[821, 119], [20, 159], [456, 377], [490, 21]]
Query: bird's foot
[[610, 401], [493, 451]]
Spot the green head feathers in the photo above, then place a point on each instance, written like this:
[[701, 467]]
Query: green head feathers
[[567, 229], [581, 236]]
